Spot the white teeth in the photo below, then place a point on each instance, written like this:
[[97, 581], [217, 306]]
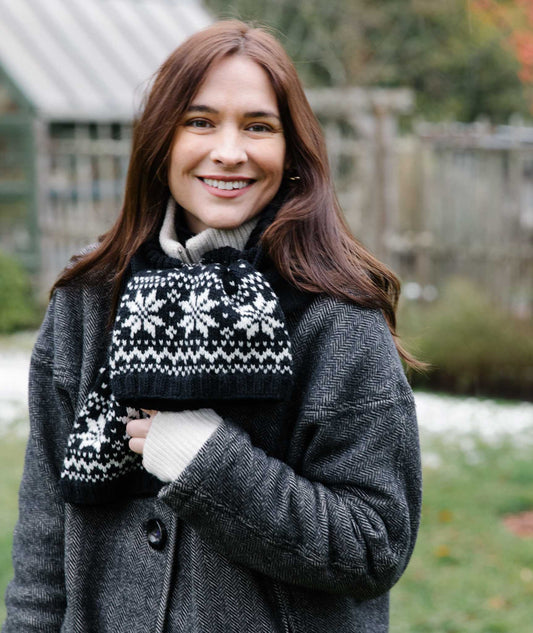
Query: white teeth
[[226, 184]]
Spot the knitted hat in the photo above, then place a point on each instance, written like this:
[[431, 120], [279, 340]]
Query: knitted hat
[[208, 331]]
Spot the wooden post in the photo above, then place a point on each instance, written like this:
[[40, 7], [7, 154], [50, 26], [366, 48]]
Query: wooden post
[[41, 201]]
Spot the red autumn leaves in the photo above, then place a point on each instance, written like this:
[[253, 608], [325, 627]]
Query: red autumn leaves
[[514, 20]]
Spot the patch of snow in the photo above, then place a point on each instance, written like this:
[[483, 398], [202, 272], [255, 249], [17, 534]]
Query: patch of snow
[[431, 460], [465, 418], [14, 369]]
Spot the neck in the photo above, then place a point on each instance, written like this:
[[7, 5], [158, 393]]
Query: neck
[[210, 239]]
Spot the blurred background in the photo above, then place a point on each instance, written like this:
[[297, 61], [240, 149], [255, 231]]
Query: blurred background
[[427, 108]]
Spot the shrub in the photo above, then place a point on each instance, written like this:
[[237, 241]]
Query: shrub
[[472, 346], [18, 309]]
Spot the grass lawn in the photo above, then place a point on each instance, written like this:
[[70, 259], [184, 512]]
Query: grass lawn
[[469, 574], [11, 458]]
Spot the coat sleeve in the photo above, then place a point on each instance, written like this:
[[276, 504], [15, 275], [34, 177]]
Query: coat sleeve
[[343, 517], [35, 598]]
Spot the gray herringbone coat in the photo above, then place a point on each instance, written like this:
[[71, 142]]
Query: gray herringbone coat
[[295, 517]]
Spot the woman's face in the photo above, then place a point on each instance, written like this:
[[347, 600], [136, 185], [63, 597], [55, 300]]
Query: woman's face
[[228, 154]]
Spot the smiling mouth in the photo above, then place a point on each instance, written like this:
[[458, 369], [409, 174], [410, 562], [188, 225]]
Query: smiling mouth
[[226, 185]]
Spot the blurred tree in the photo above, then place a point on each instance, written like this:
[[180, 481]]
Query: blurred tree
[[18, 309], [452, 59], [514, 21]]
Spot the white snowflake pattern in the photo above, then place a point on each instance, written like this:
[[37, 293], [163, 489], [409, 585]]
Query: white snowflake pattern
[[143, 313], [197, 313], [259, 315], [94, 437]]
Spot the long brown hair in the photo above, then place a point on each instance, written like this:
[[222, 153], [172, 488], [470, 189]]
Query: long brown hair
[[309, 240]]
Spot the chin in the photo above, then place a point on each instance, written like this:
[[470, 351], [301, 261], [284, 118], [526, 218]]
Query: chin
[[226, 224], [220, 221]]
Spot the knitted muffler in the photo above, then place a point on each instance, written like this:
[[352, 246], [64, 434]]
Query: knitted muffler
[[185, 336]]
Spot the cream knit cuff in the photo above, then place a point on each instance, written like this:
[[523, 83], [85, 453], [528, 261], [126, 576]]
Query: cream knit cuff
[[174, 440]]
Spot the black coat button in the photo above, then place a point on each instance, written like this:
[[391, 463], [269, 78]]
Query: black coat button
[[156, 533]]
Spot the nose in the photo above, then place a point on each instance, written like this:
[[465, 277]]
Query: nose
[[228, 149]]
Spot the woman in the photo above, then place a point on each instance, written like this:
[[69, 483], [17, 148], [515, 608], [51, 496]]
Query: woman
[[222, 435]]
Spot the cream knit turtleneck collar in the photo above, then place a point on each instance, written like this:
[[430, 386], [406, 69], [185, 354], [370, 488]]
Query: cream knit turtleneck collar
[[209, 239]]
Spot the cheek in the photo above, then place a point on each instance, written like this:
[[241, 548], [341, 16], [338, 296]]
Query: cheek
[[178, 160], [183, 155], [275, 163], [173, 165], [177, 170]]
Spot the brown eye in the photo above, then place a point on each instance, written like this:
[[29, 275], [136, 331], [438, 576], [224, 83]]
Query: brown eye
[[259, 127], [198, 123]]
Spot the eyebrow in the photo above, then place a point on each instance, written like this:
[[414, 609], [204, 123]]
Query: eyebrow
[[248, 115]]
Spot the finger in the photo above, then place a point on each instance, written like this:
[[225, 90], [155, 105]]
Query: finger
[[150, 412], [138, 428], [136, 445]]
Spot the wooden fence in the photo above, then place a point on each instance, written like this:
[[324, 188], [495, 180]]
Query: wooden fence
[[83, 170], [476, 211], [444, 201], [361, 133], [448, 200]]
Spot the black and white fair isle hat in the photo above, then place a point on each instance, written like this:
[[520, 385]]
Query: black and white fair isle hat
[[199, 332]]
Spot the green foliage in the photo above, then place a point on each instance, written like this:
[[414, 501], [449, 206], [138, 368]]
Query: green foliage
[[472, 346], [456, 65], [18, 309]]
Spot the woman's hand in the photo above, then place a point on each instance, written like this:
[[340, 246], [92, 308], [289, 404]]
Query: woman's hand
[[138, 430]]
